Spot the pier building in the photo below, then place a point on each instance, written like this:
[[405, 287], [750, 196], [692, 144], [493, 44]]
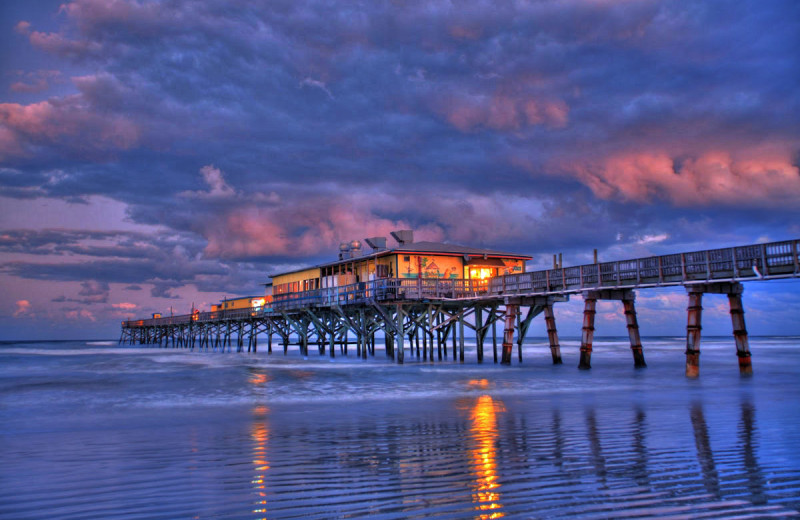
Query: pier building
[[428, 295]]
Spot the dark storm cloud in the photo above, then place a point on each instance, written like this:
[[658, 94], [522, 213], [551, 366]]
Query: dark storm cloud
[[526, 125], [164, 261], [91, 292]]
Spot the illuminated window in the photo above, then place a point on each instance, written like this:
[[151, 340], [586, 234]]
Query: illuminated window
[[481, 273]]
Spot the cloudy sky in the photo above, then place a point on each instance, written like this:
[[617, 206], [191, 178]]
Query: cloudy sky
[[159, 154]]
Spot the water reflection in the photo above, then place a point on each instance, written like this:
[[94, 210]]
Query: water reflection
[[640, 473], [747, 434], [259, 433], [484, 434], [584, 461], [704, 454], [597, 458]]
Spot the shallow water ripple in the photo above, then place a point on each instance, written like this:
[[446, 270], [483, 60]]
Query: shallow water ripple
[[95, 433]]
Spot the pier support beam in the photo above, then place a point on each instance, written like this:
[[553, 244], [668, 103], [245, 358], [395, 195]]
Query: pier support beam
[[627, 296], [479, 333], [587, 336], [740, 334], [508, 333], [552, 334], [400, 334], [332, 339], [633, 331], [693, 327]]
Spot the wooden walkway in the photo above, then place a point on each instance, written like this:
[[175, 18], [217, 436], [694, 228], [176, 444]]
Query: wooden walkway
[[439, 310]]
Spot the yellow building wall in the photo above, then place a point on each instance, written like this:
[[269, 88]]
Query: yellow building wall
[[368, 268], [237, 303], [433, 266], [299, 276]]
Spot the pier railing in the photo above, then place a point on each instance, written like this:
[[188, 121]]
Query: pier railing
[[760, 261]]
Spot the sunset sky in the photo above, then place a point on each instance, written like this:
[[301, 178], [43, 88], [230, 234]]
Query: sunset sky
[[159, 154]]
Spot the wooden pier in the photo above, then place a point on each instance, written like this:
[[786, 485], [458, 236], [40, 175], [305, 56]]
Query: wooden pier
[[422, 316]]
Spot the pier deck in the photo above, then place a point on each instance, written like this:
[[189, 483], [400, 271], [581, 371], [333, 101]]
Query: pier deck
[[438, 309]]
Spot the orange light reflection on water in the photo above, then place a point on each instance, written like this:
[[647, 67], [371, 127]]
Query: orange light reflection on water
[[483, 454], [260, 435], [259, 432]]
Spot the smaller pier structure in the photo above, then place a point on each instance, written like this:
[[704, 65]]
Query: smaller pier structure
[[423, 298]]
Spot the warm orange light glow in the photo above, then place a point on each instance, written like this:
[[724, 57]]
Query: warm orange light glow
[[481, 273], [260, 435], [257, 303], [483, 384], [483, 432], [258, 379]]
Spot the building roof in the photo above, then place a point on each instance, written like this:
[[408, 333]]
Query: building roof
[[437, 248], [239, 298], [453, 249]]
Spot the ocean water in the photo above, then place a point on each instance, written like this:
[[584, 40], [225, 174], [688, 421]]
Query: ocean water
[[92, 430]]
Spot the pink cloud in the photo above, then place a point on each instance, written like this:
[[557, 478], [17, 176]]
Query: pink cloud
[[79, 315], [59, 44], [316, 226], [23, 27], [37, 81], [750, 177], [125, 306], [90, 13], [64, 122], [23, 308]]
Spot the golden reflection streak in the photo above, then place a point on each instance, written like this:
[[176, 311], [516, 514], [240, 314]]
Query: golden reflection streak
[[259, 432], [483, 431]]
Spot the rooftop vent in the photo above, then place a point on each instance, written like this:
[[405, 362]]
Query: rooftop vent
[[376, 243], [344, 250], [403, 236]]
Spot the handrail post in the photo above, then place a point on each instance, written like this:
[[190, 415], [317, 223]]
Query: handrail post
[[683, 266], [795, 243], [733, 261], [660, 271], [581, 268], [638, 271], [764, 266], [708, 266]]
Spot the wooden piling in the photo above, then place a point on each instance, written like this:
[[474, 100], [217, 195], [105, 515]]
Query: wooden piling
[[693, 328], [520, 336], [494, 334], [400, 334], [454, 331], [508, 333], [552, 334], [461, 339], [588, 331], [633, 332], [740, 333], [388, 341], [332, 342], [439, 334], [425, 346], [479, 333], [254, 332]]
